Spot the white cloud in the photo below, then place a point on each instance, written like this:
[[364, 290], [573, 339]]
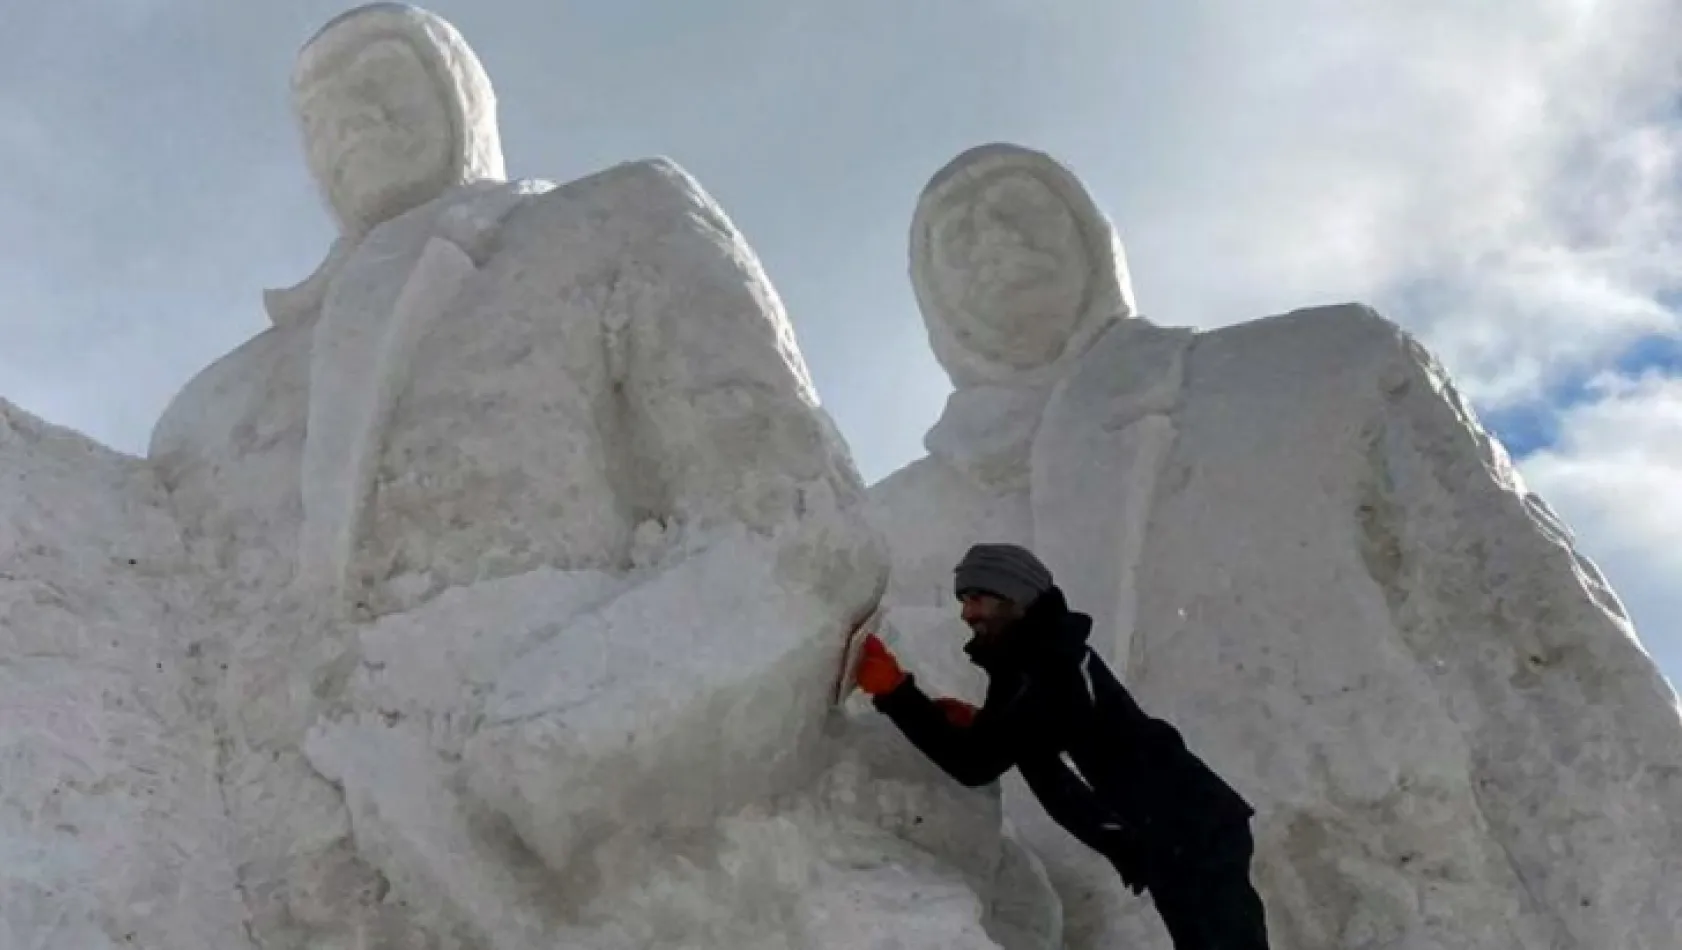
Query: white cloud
[[1520, 159]]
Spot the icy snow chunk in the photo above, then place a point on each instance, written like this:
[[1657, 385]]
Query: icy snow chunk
[[702, 689]]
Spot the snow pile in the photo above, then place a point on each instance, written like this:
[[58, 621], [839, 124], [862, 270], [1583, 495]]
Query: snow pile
[[112, 831]]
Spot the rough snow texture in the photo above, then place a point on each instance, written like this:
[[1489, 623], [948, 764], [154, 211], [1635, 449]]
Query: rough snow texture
[[1300, 547], [112, 831], [1452, 734], [630, 714]]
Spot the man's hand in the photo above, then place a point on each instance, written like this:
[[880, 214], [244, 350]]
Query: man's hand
[[879, 673], [1127, 855], [958, 712]]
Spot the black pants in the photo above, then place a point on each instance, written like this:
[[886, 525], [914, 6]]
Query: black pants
[[1207, 901]]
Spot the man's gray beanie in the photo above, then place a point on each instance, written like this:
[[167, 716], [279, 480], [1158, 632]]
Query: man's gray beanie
[[1006, 570]]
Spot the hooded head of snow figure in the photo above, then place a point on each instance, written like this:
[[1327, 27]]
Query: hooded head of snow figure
[[1015, 268], [395, 110]]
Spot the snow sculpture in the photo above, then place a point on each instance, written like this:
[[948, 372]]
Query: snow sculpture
[[115, 827], [1052, 436], [490, 598], [532, 539], [1316, 564]]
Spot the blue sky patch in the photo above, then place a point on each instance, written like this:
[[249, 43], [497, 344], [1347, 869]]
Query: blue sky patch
[[1533, 426]]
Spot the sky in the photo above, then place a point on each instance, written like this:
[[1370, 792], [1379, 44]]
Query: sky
[[1500, 177]]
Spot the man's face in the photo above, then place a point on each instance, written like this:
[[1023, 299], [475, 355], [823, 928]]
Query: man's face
[[988, 615]]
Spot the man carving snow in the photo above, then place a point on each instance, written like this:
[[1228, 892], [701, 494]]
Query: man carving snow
[[1117, 779]]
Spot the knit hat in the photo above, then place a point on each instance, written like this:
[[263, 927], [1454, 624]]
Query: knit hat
[[1005, 570]]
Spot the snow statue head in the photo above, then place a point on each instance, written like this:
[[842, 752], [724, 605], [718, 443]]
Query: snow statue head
[[1014, 266], [395, 110]]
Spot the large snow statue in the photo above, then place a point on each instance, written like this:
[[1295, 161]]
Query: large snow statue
[[1317, 564], [1051, 437], [532, 541], [491, 598]]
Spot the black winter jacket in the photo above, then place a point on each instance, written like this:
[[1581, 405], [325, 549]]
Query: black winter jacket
[[1096, 761]]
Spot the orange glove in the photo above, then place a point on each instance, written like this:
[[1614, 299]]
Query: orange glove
[[879, 672], [958, 712]]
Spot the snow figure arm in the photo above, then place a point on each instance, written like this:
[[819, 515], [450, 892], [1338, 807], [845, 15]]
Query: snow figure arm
[[729, 426]]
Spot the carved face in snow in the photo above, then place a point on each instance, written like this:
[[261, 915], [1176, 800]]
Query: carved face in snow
[[377, 131], [1009, 259], [1014, 267], [395, 110]]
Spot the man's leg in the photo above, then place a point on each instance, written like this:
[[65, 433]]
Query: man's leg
[[1233, 917], [1214, 914], [1210, 904], [1177, 906]]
